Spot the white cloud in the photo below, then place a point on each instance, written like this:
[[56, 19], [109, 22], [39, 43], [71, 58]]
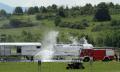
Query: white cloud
[[26, 3]]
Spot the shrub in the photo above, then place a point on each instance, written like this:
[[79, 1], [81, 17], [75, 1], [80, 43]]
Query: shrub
[[115, 23], [71, 25], [85, 23], [44, 16], [97, 28], [57, 21], [17, 23]]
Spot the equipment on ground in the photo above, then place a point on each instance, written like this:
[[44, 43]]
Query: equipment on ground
[[75, 64]]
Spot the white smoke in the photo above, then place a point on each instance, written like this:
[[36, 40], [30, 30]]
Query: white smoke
[[83, 40], [48, 45], [74, 40]]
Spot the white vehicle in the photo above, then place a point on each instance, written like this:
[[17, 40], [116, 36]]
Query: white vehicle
[[31, 49], [70, 49]]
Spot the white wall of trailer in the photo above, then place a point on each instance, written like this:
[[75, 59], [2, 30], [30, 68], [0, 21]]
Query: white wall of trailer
[[26, 48], [30, 50], [5, 50]]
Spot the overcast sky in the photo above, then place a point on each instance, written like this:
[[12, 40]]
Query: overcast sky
[[27, 3]]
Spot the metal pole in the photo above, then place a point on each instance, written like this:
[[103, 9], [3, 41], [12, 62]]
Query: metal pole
[[91, 64], [91, 60], [39, 65], [4, 53]]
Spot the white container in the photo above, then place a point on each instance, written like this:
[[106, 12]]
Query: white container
[[109, 52]]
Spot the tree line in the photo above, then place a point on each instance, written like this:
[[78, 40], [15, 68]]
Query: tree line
[[88, 9], [101, 11], [63, 11]]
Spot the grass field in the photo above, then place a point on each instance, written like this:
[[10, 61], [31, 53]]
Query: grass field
[[59, 67]]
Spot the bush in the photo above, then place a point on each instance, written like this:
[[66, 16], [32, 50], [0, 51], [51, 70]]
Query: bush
[[97, 28], [5, 26], [63, 38], [57, 21], [61, 13], [76, 25], [17, 23], [85, 23], [115, 23], [44, 16], [39, 17]]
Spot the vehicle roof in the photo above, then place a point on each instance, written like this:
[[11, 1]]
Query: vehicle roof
[[21, 43], [104, 48]]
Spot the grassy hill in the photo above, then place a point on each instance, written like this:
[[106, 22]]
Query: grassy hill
[[47, 24]]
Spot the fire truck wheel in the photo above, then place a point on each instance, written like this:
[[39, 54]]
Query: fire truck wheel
[[67, 67], [86, 59], [106, 59]]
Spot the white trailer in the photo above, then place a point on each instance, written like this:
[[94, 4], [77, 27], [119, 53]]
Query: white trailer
[[31, 49]]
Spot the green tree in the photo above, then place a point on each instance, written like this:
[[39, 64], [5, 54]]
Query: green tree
[[18, 11], [117, 6], [57, 21], [87, 9], [54, 8], [3, 13], [36, 9], [102, 13], [74, 11], [85, 23], [61, 12], [43, 9], [27, 36], [111, 5], [63, 38], [31, 10], [115, 23], [3, 38], [10, 38], [90, 39]]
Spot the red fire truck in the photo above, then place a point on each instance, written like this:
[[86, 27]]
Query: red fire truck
[[104, 54]]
